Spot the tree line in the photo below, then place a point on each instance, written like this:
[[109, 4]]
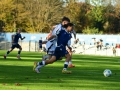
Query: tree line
[[38, 16]]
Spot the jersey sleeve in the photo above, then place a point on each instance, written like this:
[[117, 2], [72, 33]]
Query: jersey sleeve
[[20, 36], [69, 42], [57, 30], [73, 31], [12, 36]]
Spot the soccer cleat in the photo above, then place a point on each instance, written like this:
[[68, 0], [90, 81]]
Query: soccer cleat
[[71, 66], [18, 57], [66, 72], [4, 57], [35, 68]]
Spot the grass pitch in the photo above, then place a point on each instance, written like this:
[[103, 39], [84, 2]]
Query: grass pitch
[[87, 75]]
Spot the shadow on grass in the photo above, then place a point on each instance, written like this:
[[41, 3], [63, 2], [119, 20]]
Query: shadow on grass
[[24, 74], [88, 70]]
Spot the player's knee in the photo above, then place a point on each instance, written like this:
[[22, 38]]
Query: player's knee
[[70, 53], [60, 58], [51, 62], [10, 49], [20, 49], [68, 57]]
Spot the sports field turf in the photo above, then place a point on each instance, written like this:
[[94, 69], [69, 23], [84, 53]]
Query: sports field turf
[[87, 75]]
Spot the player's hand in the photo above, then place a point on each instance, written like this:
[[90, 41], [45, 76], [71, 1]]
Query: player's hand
[[75, 41], [24, 37], [70, 48]]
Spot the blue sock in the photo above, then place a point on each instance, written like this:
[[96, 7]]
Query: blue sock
[[8, 52], [42, 63], [19, 51], [65, 65]]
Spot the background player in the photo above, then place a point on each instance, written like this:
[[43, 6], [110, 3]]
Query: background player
[[60, 50], [15, 39], [40, 44]]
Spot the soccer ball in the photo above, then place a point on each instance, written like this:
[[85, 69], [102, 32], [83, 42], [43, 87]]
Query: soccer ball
[[107, 72]]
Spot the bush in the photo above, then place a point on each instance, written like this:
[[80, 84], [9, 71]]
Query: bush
[[94, 30]]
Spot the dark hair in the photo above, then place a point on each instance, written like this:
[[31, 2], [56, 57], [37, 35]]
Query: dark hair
[[69, 24], [65, 19]]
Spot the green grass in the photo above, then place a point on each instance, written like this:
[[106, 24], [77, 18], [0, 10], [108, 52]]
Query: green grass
[[87, 75]]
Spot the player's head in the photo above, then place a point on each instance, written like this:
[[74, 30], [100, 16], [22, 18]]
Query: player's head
[[18, 30], [65, 20], [69, 27]]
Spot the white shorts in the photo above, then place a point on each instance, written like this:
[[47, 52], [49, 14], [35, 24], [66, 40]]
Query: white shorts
[[50, 47]]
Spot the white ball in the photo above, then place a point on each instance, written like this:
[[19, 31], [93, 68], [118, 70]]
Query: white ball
[[107, 72]]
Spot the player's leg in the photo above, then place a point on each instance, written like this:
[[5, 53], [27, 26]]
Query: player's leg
[[70, 62], [19, 51], [40, 48], [50, 48], [67, 55], [13, 46], [55, 56], [41, 64], [70, 52]]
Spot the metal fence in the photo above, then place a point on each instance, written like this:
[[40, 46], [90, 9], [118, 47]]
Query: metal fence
[[33, 46], [26, 46]]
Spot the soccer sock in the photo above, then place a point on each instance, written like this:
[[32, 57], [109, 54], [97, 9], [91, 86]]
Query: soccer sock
[[19, 52], [7, 53], [42, 63], [65, 66], [70, 62]]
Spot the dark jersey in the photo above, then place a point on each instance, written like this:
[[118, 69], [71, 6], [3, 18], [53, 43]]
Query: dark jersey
[[40, 42], [16, 37], [63, 37]]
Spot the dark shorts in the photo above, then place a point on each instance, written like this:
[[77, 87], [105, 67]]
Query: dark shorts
[[15, 45], [40, 47], [60, 52]]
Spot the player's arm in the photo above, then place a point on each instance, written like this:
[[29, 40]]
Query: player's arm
[[12, 37], [51, 37], [55, 34], [22, 38], [69, 47], [74, 33]]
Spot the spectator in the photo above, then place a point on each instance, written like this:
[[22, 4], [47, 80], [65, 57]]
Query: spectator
[[114, 51], [40, 44]]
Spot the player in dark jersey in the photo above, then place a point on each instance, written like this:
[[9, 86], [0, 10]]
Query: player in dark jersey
[[15, 39], [63, 36], [40, 44]]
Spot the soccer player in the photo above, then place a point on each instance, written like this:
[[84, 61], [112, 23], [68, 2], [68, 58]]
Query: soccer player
[[40, 44], [70, 50], [15, 39], [63, 36], [51, 43]]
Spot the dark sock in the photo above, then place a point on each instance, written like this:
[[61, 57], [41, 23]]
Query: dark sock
[[8, 52], [19, 51], [65, 65], [40, 63]]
